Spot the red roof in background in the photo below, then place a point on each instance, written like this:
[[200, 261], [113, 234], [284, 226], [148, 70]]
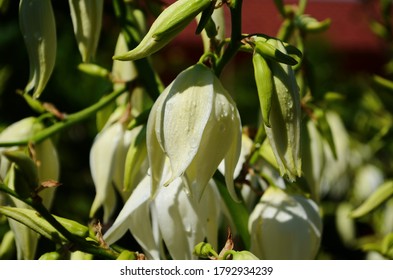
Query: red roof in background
[[349, 33], [349, 29]]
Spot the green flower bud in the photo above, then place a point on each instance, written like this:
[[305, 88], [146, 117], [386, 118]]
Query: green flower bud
[[86, 18], [127, 255], [37, 23], [310, 24], [271, 48], [79, 255], [284, 226], [74, 227], [94, 70], [195, 124], [265, 86], [167, 25], [50, 256], [284, 117], [239, 255], [205, 250]]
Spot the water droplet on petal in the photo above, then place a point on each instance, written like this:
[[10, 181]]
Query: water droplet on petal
[[222, 127]]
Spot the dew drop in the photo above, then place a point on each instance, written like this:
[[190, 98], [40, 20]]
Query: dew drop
[[188, 228], [222, 127]]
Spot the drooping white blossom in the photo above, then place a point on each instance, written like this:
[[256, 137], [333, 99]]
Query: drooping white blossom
[[195, 124], [284, 226]]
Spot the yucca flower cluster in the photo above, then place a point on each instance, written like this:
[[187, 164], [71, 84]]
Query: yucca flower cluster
[[174, 164]]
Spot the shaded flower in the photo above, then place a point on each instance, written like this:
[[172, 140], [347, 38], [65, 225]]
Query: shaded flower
[[107, 163], [284, 226]]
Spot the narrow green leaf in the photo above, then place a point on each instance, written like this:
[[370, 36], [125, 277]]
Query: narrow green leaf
[[387, 244], [324, 128], [383, 193], [33, 220], [36, 222]]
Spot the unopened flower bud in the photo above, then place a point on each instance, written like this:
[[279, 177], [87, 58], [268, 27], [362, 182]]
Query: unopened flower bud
[[86, 18], [310, 24], [37, 23], [283, 125], [239, 255], [168, 24], [195, 123]]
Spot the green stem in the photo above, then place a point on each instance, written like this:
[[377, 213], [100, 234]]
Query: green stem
[[148, 77], [301, 7], [68, 120], [236, 36], [77, 242]]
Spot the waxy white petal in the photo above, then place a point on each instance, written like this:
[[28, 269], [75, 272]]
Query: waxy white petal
[[284, 226], [155, 153], [185, 115], [135, 216], [178, 221], [102, 158], [194, 123]]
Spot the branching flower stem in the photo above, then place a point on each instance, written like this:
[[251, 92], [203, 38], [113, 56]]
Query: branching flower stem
[[235, 7], [69, 120]]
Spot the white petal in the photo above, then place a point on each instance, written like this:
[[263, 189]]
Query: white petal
[[231, 160], [186, 111], [154, 151], [209, 212], [285, 226], [179, 224], [135, 216], [102, 159]]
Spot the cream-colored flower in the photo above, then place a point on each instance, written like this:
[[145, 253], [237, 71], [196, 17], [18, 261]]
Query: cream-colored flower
[[284, 226], [107, 163], [194, 123], [172, 216]]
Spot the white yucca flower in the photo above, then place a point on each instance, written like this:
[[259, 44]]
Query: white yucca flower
[[107, 162], [194, 123], [284, 226], [172, 217]]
